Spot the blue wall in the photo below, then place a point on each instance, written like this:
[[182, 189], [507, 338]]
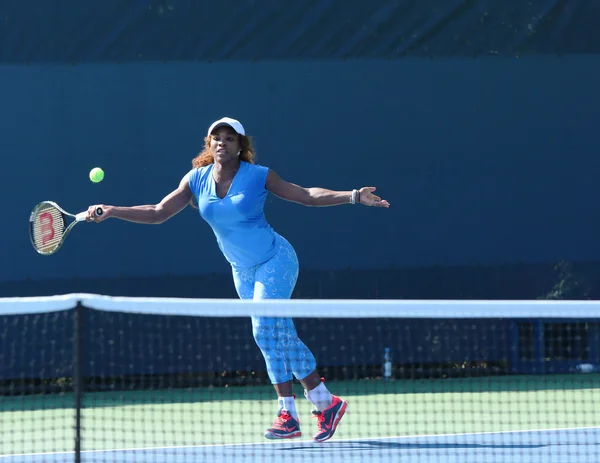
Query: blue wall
[[492, 160]]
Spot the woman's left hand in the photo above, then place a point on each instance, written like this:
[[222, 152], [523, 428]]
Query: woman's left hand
[[369, 199]]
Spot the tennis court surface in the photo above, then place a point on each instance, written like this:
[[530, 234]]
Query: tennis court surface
[[100, 379]]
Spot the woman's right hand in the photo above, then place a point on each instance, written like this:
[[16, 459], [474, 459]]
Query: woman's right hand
[[92, 215]]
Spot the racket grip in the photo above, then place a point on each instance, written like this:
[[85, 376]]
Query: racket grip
[[99, 211]]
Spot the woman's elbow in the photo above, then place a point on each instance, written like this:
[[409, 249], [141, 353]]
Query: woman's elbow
[[160, 215], [308, 198]]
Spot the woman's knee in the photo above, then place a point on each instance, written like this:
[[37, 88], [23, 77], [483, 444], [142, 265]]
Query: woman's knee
[[274, 332]]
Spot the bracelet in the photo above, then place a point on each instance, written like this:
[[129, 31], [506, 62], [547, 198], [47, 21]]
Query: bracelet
[[353, 197]]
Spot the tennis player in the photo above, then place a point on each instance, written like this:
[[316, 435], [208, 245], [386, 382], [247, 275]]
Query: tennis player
[[230, 190]]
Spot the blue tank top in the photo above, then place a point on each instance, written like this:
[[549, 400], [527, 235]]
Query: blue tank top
[[238, 220]]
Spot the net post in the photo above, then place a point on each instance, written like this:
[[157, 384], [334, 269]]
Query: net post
[[77, 378]]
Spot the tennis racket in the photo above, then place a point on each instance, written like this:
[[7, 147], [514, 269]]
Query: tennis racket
[[48, 226]]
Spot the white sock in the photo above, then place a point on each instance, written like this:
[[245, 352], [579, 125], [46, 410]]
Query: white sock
[[320, 397], [289, 404]]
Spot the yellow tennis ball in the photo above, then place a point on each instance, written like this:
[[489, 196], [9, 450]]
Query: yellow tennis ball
[[96, 174]]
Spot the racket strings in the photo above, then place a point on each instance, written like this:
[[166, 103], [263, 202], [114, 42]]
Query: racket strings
[[48, 228]]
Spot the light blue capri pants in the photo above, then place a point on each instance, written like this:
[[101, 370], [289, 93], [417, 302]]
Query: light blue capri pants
[[285, 354]]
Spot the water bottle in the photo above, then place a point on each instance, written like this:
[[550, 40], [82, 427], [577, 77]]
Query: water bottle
[[387, 364]]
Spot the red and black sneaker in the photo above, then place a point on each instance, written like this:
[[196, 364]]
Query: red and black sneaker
[[284, 427], [329, 419]]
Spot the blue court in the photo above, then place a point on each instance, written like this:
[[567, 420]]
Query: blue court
[[578, 445]]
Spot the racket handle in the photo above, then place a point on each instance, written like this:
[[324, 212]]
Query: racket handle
[[83, 215]]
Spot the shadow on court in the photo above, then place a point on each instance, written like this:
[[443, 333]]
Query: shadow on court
[[354, 446]]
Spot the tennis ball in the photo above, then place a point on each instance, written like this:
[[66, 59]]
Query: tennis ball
[[96, 174]]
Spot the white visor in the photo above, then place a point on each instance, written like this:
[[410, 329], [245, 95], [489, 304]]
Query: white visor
[[235, 125]]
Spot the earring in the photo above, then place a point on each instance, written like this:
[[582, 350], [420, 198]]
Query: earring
[[239, 152]]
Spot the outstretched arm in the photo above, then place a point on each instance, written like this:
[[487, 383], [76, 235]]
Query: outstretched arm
[[171, 204], [320, 197]]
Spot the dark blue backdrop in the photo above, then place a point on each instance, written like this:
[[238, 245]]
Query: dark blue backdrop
[[476, 120], [484, 161]]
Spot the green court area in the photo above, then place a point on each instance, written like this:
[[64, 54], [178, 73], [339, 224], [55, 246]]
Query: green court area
[[227, 415]]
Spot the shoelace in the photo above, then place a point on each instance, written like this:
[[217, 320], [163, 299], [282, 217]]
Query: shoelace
[[282, 417], [320, 419]]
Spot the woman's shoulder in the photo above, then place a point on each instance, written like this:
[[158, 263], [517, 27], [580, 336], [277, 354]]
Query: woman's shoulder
[[200, 171], [198, 175], [257, 168]]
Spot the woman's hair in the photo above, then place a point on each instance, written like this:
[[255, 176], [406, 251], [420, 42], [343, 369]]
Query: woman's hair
[[205, 158]]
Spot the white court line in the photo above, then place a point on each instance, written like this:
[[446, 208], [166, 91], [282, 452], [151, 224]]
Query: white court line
[[419, 436]]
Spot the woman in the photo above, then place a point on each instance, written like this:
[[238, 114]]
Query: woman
[[230, 191]]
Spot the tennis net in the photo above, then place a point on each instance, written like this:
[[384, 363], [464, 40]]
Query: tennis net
[[108, 379]]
